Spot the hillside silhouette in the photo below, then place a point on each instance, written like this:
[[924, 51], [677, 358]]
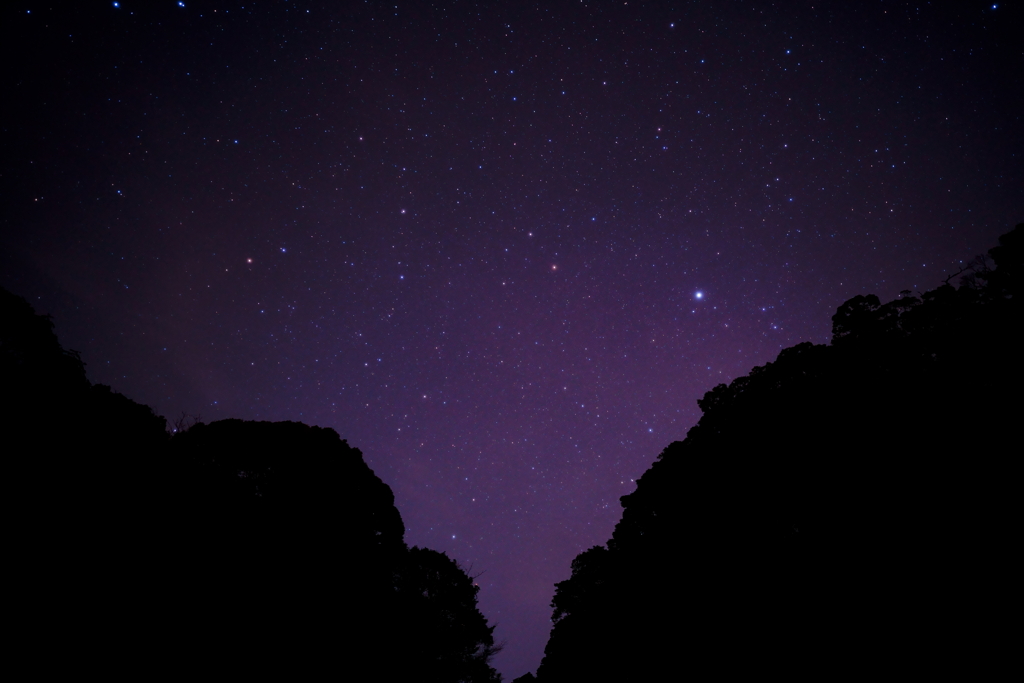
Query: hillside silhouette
[[296, 544], [846, 510], [235, 548]]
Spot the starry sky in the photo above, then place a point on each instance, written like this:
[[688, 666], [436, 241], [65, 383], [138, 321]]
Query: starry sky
[[502, 248]]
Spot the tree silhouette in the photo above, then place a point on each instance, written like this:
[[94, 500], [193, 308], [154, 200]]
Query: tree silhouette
[[447, 637], [235, 548], [292, 547], [80, 460], [843, 510]]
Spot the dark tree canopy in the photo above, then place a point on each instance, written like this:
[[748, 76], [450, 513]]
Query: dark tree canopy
[[845, 509], [238, 548], [446, 636], [301, 479], [300, 545], [80, 465]]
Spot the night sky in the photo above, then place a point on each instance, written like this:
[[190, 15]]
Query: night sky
[[501, 248]]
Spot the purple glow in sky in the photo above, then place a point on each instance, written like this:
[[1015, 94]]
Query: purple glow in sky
[[501, 248]]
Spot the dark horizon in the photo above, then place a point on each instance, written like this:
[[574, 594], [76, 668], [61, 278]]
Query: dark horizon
[[500, 250]]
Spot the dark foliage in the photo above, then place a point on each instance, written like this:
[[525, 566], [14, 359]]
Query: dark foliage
[[849, 509], [292, 548], [234, 548], [446, 637], [76, 480]]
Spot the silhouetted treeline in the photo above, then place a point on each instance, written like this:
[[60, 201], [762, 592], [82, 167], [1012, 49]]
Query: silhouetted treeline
[[847, 510], [80, 475], [232, 548], [296, 544]]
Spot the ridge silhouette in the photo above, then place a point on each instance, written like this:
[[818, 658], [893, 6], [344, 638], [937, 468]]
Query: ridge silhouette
[[846, 510], [235, 548]]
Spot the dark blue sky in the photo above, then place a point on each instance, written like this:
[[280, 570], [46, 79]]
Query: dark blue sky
[[502, 248]]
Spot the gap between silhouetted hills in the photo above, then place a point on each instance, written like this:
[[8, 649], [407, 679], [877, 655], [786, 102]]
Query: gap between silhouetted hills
[[846, 509]]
